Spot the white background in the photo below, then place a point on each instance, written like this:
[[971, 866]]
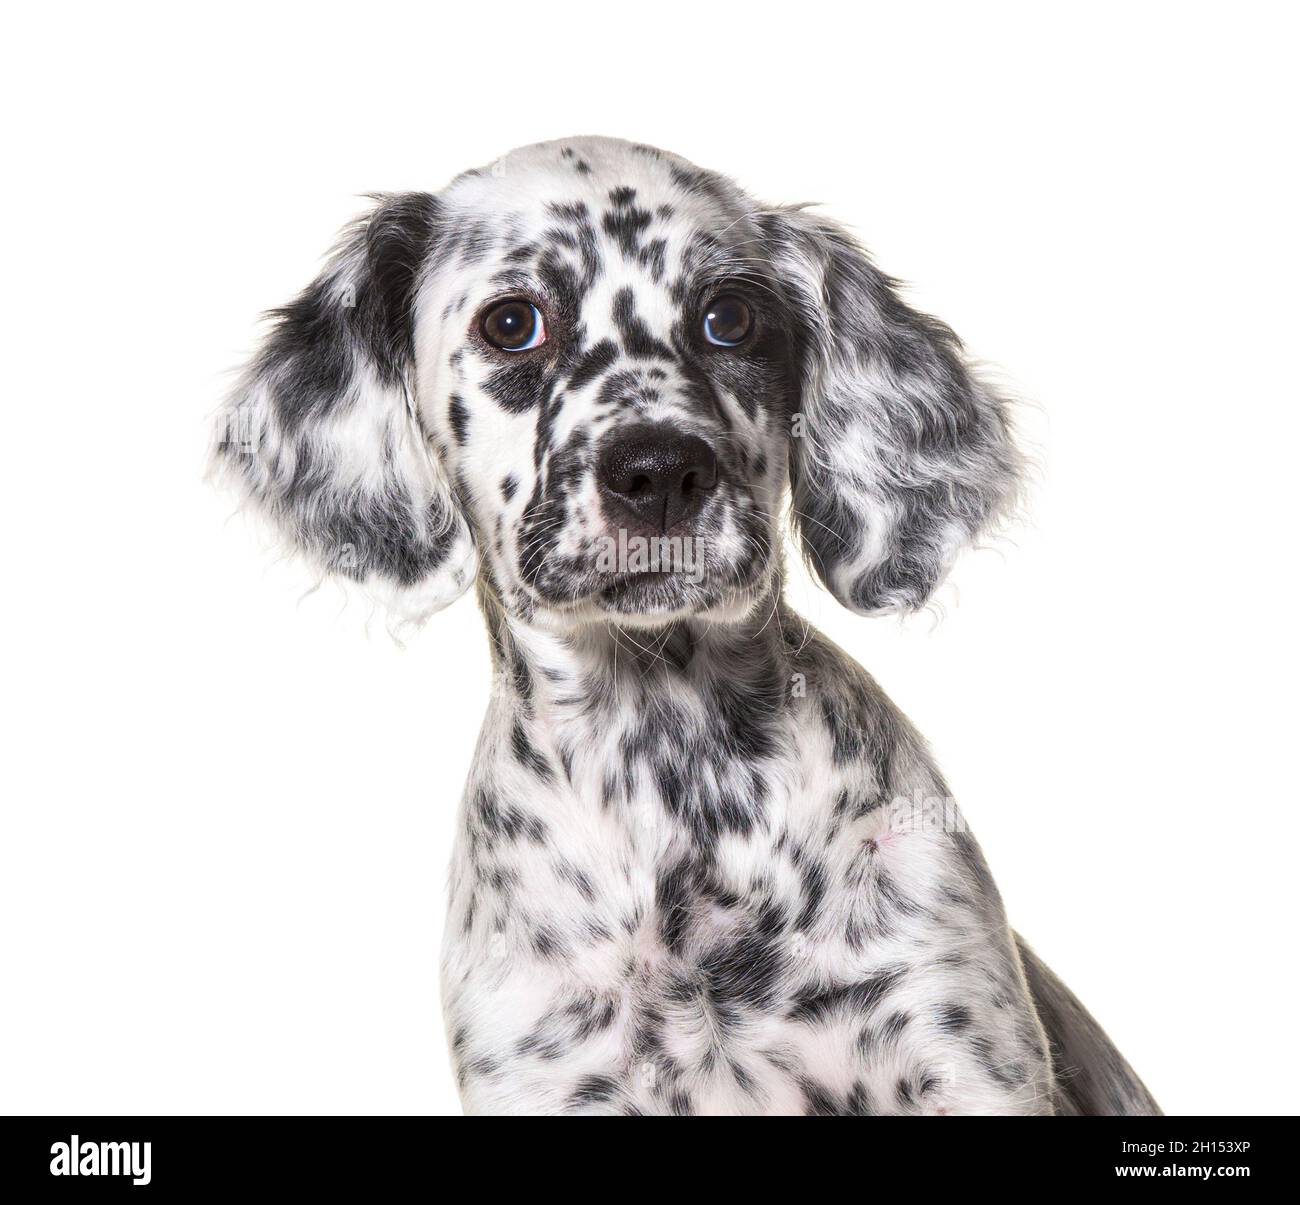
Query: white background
[[227, 814]]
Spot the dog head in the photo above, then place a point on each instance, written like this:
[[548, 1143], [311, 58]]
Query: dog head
[[586, 375]]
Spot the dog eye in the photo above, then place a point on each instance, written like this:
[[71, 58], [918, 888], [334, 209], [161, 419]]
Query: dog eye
[[514, 326], [727, 321]]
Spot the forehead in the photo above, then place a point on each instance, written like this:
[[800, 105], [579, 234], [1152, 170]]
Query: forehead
[[595, 204]]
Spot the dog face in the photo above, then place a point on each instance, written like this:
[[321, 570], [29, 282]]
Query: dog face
[[587, 374], [607, 374]]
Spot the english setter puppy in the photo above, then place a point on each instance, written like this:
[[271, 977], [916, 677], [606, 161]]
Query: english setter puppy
[[703, 865]]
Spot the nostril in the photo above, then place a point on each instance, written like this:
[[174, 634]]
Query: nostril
[[702, 474]]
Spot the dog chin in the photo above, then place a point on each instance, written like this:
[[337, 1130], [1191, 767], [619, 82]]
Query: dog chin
[[654, 600]]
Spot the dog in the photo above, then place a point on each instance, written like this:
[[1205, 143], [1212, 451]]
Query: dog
[[703, 864]]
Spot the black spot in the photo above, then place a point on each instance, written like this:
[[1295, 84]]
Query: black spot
[[522, 678], [859, 1103], [673, 893], [637, 339], [746, 968], [891, 897], [547, 943], [594, 361], [679, 1103], [893, 1026], [953, 1018], [744, 1081], [575, 212], [580, 879], [519, 384], [859, 997], [458, 418], [654, 258], [818, 1100], [527, 754], [498, 820], [592, 1089], [626, 223], [814, 887]]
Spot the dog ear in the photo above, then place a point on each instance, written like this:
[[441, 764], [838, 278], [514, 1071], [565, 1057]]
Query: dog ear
[[322, 433], [899, 457]]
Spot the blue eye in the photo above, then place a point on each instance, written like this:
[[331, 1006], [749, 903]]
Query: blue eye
[[727, 321], [514, 326]]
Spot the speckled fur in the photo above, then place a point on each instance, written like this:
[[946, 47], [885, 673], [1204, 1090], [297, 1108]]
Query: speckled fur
[[703, 864]]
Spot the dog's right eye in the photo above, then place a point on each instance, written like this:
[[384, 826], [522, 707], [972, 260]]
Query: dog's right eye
[[514, 326], [727, 321]]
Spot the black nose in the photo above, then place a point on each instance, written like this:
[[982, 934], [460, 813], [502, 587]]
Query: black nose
[[655, 474]]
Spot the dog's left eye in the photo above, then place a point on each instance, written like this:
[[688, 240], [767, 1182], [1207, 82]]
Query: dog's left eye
[[727, 321], [514, 326]]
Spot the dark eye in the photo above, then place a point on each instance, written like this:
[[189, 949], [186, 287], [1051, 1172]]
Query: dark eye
[[514, 326], [727, 321]]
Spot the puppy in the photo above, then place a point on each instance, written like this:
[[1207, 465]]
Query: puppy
[[703, 865]]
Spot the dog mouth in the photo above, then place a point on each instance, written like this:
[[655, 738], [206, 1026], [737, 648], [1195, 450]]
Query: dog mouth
[[650, 574], [657, 596], [631, 571], [649, 591]]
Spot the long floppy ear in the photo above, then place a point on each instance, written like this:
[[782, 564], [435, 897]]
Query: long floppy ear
[[899, 457], [322, 434]]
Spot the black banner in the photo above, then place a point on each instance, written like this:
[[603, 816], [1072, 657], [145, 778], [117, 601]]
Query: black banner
[[171, 1156]]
